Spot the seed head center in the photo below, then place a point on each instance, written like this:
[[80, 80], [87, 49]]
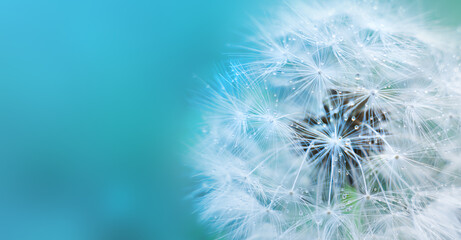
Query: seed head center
[[336, 140]]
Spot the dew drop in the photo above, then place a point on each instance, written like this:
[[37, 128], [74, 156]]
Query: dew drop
[[357, 76]]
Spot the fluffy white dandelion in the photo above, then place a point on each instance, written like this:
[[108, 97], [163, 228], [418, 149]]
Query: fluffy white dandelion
[[338, 120]]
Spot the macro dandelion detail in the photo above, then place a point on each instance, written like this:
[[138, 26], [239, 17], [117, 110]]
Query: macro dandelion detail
[[336, 120]]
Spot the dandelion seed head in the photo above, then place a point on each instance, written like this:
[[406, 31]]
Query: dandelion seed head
[[336, 120]]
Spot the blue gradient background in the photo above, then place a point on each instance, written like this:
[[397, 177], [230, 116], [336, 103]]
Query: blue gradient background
[[94, 113]]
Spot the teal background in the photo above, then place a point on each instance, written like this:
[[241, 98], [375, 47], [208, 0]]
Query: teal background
[[94, 115]]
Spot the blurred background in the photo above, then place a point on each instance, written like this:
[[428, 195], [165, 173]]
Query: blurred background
[[94, 118]]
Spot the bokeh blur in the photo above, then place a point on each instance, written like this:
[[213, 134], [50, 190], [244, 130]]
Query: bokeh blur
[[94, 114]]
